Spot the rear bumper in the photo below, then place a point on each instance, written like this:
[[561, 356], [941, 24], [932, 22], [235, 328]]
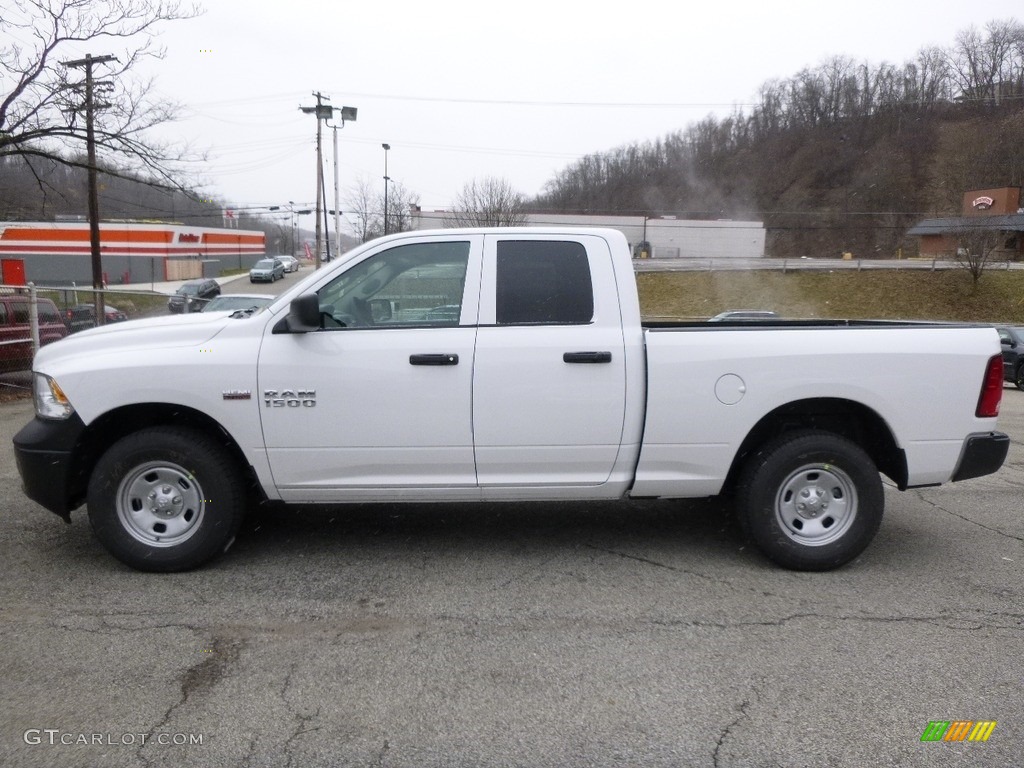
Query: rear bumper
[[983, 453], [44, 451]]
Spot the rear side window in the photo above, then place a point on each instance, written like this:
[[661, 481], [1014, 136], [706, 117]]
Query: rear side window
[[543, 283], [48, 313]]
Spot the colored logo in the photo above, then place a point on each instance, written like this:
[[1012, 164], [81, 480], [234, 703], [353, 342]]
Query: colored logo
[[958, 730]]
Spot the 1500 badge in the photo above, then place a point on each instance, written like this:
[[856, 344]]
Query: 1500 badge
[[289, 398]]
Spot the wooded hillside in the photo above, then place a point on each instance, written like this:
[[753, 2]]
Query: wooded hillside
[[845, 156]]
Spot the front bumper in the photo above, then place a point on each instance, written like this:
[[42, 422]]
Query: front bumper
[[983, 453], [45, 451]]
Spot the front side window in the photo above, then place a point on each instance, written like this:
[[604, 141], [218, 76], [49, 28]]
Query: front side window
[[410, 285], [543, 283]]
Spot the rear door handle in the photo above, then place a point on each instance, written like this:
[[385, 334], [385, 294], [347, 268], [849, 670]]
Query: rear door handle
[[442, 359], [587, 357]]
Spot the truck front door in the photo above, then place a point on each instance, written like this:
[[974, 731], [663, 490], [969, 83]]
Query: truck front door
[[377, 404]]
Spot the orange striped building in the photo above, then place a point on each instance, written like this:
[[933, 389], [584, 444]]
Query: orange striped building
[[58, 253]]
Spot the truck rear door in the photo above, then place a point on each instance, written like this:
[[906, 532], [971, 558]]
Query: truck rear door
[[549, 384]]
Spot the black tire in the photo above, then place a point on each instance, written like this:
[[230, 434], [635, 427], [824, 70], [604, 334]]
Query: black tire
[[1018, 377], [166, 499], [810, 500]]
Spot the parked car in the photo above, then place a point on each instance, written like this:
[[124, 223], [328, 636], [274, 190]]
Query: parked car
[[193, 295], [82, 316], [15, 327], [291, 264], [266, 271], [743, 315], [1012, 339], [233, 301]]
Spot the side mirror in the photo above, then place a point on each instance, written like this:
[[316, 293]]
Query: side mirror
[[302, 317]]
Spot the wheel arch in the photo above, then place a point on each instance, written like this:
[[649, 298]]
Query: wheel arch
[[113, 425], [850, 419]]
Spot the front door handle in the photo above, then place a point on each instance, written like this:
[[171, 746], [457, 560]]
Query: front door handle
[[442, 359], [587, 357]]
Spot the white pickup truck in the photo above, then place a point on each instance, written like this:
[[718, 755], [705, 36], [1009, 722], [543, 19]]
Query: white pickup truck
[[500, 365]]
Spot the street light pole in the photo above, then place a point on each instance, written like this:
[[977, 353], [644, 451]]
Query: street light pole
[[347, 114], [386, 180]]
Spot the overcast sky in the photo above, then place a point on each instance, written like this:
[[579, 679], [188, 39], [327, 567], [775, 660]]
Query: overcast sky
[[518, 90]]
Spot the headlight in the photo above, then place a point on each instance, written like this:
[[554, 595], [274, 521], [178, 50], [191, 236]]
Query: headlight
[[51, 402]]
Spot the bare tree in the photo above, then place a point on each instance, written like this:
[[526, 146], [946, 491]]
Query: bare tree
[[366, 208], [361, 208], [41, 106], [977, 246], [987, 67], [489, 202]]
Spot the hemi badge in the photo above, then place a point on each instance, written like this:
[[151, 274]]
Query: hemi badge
[[237, 394]]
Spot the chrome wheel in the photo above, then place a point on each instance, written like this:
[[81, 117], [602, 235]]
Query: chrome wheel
[[816, 505], [160, 504]]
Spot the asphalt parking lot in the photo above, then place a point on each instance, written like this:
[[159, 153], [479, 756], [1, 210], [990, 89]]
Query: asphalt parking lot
[[517, 635]]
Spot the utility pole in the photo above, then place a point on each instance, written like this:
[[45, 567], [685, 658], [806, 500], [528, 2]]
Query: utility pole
[[94, 200], [323, 111]]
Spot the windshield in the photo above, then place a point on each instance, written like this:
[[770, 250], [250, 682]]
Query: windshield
[[265, 264]]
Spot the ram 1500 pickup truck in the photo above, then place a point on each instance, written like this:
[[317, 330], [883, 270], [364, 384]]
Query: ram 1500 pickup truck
[[500, 365]]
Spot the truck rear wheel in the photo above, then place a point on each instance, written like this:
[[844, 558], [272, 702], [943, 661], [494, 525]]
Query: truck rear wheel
[[165, 499], [810, 500]]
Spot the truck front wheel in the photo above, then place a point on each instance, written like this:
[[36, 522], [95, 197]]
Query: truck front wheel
[[165, 499], [810, 500]]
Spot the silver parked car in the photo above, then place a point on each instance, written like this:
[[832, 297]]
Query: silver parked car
[[291, 264], [234, 301], [266, 271]]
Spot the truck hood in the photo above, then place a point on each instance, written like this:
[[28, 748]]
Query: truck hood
[[162, 332]]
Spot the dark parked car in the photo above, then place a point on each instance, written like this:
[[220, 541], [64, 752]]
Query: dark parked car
[[1012, 339], [193, 295], [15, 328], [82, 316]]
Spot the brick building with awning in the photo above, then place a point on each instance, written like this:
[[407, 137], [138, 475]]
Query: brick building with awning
[[998, 211]]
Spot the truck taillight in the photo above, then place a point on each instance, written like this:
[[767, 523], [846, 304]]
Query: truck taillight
[[991, 389]]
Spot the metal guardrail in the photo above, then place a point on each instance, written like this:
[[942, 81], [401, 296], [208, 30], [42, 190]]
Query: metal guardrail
[[807, 264]]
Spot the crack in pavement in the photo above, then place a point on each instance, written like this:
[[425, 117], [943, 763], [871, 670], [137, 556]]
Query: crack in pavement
[[941, 621], [744, 706], [941, 508], [656, 564], [300, 729], [200, 677], [302, 720]]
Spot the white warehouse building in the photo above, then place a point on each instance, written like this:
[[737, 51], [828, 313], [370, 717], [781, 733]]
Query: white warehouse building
[[668, 237]]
